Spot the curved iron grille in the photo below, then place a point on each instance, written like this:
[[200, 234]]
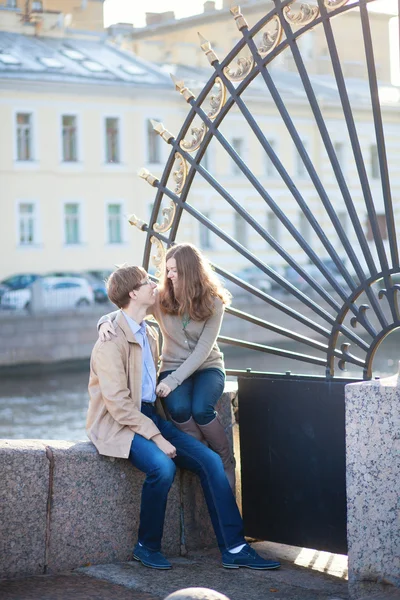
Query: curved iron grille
[[353, 302]]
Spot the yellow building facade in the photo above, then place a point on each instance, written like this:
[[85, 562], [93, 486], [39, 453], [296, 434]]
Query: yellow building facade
[[75, 114]]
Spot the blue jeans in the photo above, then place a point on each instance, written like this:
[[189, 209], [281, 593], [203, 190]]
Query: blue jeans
[[196, 396], [160, 473]]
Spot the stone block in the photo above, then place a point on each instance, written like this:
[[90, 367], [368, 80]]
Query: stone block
[[24, 492], [95, 508], [372, 480]]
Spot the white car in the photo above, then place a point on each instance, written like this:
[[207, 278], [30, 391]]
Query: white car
[[51, 293]]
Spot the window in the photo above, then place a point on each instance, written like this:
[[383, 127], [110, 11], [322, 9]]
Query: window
[[37, 6], [374, 161], [343, 217], [381, 218], [205, 234], [114, 223], [237, 145], [273, 225], [339, 151], [71, 223], [26, 219], [304, 227], [11, 3], [270, 170], [69, 139], [24, 136], [112, 140], [240, 229], [301, 170], [153, 143]]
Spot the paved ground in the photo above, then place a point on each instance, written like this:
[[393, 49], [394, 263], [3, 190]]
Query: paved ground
[[132, 581]]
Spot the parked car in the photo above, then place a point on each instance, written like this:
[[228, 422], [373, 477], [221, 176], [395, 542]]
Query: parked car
[[51, 293], [17, 282], [97, 284], [16, 299], [251, 275]]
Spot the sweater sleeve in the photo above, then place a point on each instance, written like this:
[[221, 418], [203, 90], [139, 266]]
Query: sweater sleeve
[[116, 395], [108, 318], [201, 351]]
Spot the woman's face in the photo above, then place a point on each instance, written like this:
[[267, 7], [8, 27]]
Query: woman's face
[[172, 271]]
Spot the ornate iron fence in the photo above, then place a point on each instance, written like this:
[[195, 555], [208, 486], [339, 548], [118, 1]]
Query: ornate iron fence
[[351, 300]]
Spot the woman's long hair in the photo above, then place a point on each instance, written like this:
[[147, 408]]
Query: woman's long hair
[[197, 286]]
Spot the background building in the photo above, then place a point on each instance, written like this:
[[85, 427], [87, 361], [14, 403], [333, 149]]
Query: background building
[[75, 109]]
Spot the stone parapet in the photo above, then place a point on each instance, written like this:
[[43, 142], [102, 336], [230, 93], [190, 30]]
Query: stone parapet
[[373, 486], [64, 506]]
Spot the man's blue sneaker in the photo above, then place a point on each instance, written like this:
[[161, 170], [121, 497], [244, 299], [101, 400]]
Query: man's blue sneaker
[[249, 558], [150, 558]]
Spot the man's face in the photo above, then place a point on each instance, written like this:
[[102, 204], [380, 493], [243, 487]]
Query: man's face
[[146, 293]]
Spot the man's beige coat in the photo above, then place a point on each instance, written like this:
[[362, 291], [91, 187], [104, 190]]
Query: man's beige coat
[[115, 390]]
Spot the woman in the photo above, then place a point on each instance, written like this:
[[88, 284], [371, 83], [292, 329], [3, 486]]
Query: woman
[[189, 309]]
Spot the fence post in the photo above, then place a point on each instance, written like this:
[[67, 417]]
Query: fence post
[[372, 482]]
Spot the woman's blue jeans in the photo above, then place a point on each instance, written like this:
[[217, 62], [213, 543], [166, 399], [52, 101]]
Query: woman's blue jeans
[[160, 473], [196, 396]]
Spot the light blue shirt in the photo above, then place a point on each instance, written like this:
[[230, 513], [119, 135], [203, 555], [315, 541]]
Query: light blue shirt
[[149, 374]]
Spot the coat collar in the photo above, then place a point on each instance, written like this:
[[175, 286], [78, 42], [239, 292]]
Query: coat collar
[[124, 325]]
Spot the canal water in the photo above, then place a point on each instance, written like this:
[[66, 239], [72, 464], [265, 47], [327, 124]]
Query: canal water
[[53, 406]]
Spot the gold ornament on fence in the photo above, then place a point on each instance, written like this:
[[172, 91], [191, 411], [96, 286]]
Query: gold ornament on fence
[[160, 129], [198, 134], [270, 38], [168, 214], [136, 222], [239, 18], [157, 258], [332, 4], [244, 65], [180, 173], [147, 176], [217, 99], [305, 15], [205, 45], [182, 89]]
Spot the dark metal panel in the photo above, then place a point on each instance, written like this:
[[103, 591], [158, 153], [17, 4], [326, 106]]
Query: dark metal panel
[[292, 439]]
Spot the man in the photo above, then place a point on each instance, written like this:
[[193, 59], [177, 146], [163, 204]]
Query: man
[[125, 421]]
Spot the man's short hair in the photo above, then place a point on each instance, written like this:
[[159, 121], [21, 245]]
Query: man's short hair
[[123, 281]]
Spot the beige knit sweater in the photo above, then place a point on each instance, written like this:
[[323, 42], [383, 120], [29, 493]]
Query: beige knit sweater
[[185, 351]]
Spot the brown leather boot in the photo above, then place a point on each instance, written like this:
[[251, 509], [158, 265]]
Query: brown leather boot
[[218, 441], [190, 427]]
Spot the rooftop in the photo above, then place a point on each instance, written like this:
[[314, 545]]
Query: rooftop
[[73, 60]]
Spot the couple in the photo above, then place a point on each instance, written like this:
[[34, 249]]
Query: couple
[[125, 417]]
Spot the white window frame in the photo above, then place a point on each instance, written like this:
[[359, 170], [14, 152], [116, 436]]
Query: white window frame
[[269, 169], [304, 223], [36, 223], [104, 140], [342, 161], [81, 223], [70, 163], [159, 141], [204, 230], [300, 168], [235, 169], [276, 224], [377, 176], [246, 227], [32, 162], [76, 141], [121, 203]]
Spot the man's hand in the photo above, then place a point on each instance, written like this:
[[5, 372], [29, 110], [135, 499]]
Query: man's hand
[[106, 330], [163, 390], [164, 445]]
